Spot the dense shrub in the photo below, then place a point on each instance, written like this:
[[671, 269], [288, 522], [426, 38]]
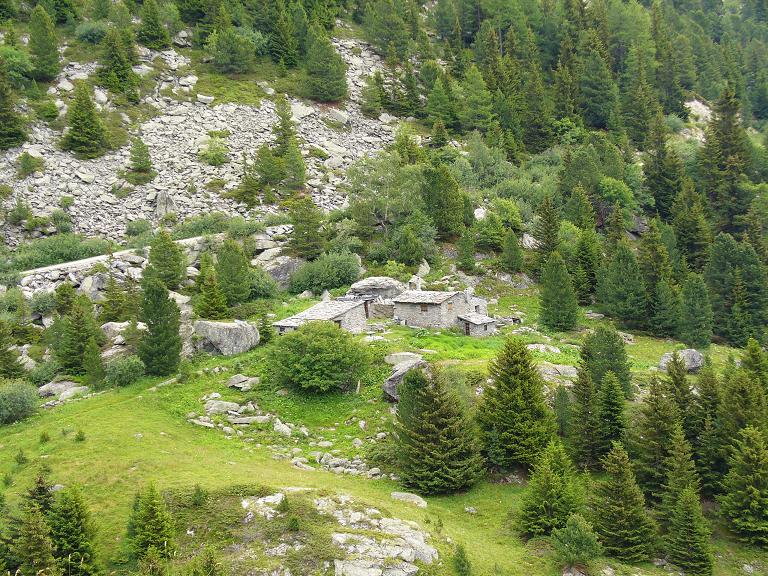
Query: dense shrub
[[57, 249], [239, 227], [138, 227], [91, 32], [42, 303], [213, 223], [17, 63], [44, 372], [18, 400], [327, 272], [262, 284], [123, 371]]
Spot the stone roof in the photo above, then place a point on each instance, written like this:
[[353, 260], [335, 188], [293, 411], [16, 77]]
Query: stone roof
[[326, 310], [423, 297], [475, 318]]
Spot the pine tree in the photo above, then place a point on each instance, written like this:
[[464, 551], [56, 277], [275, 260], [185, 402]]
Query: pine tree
[[32, 547], [603, 351], [12, 132], [160, 346], [114, 304], [744, 503], [116, 72], [153, 527], [73, 533], [654, 263], [78, 327], [696, 320], [92, 365], [10, 367], [667, 312], [688, 543], [39, 495], [610, 421], [166, 260], [439, 106], [306, 240], [326, 71], [558, 305], [212, 304], [553, 494], [43, 45], [371, 101], [585, 423], [755, 361], [580, 209], [152, 32], [743, 404], [638, 101], [443, 200], [620, 520], [621, 288], [598, 93], [681, 392], [284, 46], [691, 226], [233, 273], [437, 446], [546, 230], [511, 258], [663, 170], [465, 251], [477, 108], [514, 419], [86, 135], [588, 261], [576, 543], [680, 474], [141, 162]]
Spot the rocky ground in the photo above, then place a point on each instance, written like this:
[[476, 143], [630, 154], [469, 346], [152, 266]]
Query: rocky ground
[[332, 138]]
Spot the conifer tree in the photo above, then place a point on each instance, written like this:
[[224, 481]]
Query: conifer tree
[[371, 101], [654, 263], [580, 209], [598, 93], [437, 446], [588, 261], [755, 361], [43, 45], [141, 162], [744, 404], [33, 547], [284, 46], [443, 200], [160, 346], [166, 260], [92, 365], [576, 543], [78, 327], [604, 351], [233, 273], [546, 230], [40, 495], [212, 304], [691, 227], [477, 108], [638, 101], [439, 107], [465, 251], [620, 520], [667, 311], [153, 526], [696, 318], [152, 32], [621, 288], [511, 258], [688, 543], [116, 72], [10, 367], [326, 71], [73, 533], [663, 170], [86, 135], [680, 474], [681, 392], [610, 421], [584, 427], [515, 422], [12, 132], [306, 240], [553, 493], [114, 304], [558, 305], [744, 502]]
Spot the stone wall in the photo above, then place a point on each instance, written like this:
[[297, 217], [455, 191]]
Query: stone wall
[[435, 316]]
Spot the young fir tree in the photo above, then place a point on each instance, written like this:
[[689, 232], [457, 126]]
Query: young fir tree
[[160, 346], [166, 260], [692, 229], [443, 200], [440, 137], [680, 474], [620, 520], [511, 258], [654, 263], [65, 296], [39, 494], [743, 404], [233, 273], [153, 526], [326, 71], [212, 303], [681, 392], [546, 230], [654, 429], [584, 421], [114, 304], [667, 313], [284, 46], [604, 351], [32, 547], [437, 446], [465, 251], [86, 135], [43, 45], [688, 543], [598, 93], [554, 493], [744, 502], [576, 543], [663, 170], [611, 420], [141, 170], [72, 532], [92, 364], [10, 367], [515, 422], [558, 305], [12, 132], [306, 240], [371, 102], [622, 289], [477, 109], [755, 361], [696, 315], [116, 72], [152, 32], [78, 327]]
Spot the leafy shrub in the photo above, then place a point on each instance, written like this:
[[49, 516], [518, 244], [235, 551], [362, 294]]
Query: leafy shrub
[[123, 371], [18, 400], [21, 211], [215, 152], [576, 542], [262, 284], [66, 202], [327, 272], [213, 223], [28, 164], [57, 249], [17, 63], [138, 227], [5, 191], [44, 372], [46, 110], [239, 227], [317, 357], [91, 32], [61, 221], [42, 303]]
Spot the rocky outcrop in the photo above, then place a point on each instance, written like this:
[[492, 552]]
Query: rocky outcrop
[[281, 268], [693, 359], [398, 373], [225, 337], [378, 286]]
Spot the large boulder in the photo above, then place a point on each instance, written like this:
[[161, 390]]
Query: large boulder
[[693, 359], [114, 329], [380, 286], [398, 373], [55, 388], [225, 337], [281, 268]]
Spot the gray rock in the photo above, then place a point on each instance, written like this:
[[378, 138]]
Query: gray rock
[[398, 373], [380, 286], [399, 357], [693, 359], [409, 498], [281, 268], [220, 407], [281, 428], [544, 348], [205, 99], [73, 392], [225, 337], [242, 382], [55, 388]]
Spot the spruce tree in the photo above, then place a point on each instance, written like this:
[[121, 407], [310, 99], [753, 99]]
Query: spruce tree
[[681, 392], [680, 474], [306, 240], [371, 101], [436, 443], [86, 135], [160, 346], [744, 502], [443, 200], [284, 46], [32, 547], [691, 226], [166, 260], [620, 520], [153, 526], [743, 404], [598, 93], [212, 303], [43, 45], [558, 305], [12, 132], [663, 170], [465, 252], [10, 367], [511, 258], [604, 351], [476, 110], [589, 258], [114, 304], [696, 317], [667, 311], [622, 289], [116, 72], [546, 230], [233, 273], [92, 365], [40, 495], [73, 533], [141, 170], [152, 32], [755, 361], [78, 327], [439, 107], [515, 422], [326, 71], [553, 494], [585, 423], [610, 421], [576, 543], [688, 543], [654, 262]]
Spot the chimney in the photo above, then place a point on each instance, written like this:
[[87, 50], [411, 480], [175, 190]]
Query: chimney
[[468, 291], [418, 283]]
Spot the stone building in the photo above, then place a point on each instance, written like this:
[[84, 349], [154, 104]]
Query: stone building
[[436, 309], [350, 315], [475, 324]]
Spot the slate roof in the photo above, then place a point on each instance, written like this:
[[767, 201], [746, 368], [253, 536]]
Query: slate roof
[[423, 297], [326, 310], [475, 318]]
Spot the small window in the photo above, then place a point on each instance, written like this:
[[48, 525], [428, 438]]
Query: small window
[[424, 307], [477, 309], [485, 327]]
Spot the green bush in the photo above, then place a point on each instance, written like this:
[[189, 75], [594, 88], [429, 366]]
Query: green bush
[[61, 221], [66, 202], [91, 32], [57, 249], [17, 63], [138, 228], [42, 303], [327, 272], [28, 164], [21, 211], [18, 400], [213, 223], [5, 191], [123, 371], [215, 152], [239, 227], [44, 372], [46, 110], [262, 284]]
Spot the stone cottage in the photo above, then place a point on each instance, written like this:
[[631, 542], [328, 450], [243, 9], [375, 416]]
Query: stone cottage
[[349, 315], [475, 324], [436, 309]]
